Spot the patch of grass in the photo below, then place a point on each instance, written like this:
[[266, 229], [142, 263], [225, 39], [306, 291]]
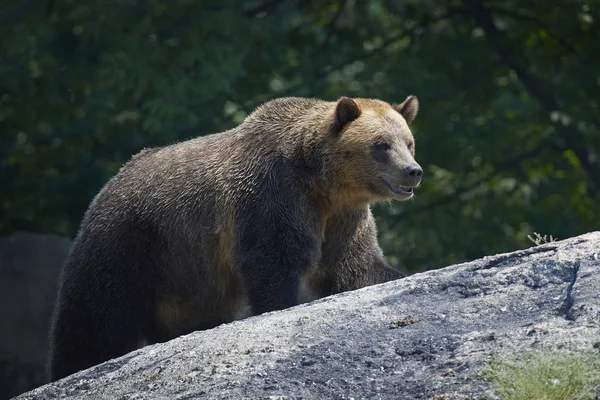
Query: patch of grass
[[546, 376]]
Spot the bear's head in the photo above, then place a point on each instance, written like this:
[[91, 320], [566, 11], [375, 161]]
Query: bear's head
[[373, 149]]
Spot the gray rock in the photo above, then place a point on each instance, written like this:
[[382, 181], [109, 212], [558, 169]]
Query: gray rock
[[427, 336], [29, 268]]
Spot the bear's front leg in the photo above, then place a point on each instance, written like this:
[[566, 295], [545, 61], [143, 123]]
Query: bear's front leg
[[272, 252], [351, 254], [384, 272]]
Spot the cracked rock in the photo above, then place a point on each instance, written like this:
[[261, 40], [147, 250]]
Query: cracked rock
[[428, 336]]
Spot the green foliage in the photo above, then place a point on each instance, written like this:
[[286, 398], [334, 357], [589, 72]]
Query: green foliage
[[546, 376], [508, 132]]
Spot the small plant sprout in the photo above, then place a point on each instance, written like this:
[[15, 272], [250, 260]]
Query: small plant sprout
[[538, 239]]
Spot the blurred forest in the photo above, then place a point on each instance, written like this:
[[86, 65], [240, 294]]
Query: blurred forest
[[508, 133]]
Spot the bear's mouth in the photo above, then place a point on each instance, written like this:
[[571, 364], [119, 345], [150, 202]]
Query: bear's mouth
[[404, 189], [401, 190]]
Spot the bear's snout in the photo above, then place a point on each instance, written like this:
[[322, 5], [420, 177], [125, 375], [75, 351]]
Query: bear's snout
[[414, 171], [413, 174]]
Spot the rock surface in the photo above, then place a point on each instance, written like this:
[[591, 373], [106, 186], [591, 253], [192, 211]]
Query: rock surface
[[427, 336], [29, 268]]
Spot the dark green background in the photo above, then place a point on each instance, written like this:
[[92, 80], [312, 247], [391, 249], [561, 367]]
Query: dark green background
[[508, 132]]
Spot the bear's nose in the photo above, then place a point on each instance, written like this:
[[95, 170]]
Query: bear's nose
[[414, 171]]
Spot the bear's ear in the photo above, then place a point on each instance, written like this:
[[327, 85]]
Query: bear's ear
[[408, 109], [346, 111]]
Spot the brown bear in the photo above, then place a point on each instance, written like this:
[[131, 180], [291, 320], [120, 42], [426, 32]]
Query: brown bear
[[264, 216]]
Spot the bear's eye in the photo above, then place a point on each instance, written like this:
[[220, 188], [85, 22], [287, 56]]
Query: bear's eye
[[381, 146], [411, 145]]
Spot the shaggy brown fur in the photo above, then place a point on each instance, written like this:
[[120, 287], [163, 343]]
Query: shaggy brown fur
[[264, 216]]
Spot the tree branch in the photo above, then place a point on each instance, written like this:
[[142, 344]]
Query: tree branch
[[15, 15], [326, 71], [505, 50], [329, 29], [264, 6], [323, 73], [530, 18]]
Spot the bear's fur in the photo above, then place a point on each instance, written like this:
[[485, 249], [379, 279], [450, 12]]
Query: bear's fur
[[262, 217]]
